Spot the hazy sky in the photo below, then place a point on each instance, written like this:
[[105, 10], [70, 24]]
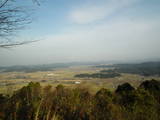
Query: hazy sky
[[89, 30]]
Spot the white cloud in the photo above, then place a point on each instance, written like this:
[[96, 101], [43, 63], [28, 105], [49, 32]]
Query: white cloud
[[93, 12], [87, 15], [120, 40]]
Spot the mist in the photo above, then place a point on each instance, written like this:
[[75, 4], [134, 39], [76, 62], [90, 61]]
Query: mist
[[92, 31]]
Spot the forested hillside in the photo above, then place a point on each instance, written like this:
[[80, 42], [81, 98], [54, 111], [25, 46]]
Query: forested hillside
[[145, 69], [34, 102]]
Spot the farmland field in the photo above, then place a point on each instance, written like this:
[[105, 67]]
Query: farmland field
[[11, 81]]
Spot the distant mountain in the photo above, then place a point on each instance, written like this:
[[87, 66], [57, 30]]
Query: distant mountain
[[44, 67], [146, 68]]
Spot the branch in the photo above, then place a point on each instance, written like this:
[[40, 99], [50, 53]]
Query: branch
[[16, 44], [3, 4], [13, 19]]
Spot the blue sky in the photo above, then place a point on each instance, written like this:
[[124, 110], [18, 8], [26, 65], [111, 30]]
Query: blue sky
[[89, 30], [57, 16], [61, 14]]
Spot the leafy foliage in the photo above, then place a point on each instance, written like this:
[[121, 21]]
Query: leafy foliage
[[33, 102]]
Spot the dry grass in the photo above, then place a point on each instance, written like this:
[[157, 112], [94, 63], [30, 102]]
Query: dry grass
[[15, 80]]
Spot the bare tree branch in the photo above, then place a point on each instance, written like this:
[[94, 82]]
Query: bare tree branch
[[16, 44], [4, 3], [12, 19]]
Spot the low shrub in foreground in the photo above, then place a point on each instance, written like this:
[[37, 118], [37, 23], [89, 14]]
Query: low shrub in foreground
[[33, 102]]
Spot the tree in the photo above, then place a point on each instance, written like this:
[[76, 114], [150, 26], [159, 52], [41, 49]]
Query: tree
[[12, 19], [153, 87]]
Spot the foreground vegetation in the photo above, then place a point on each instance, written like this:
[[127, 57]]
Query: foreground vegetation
[[33, 102]]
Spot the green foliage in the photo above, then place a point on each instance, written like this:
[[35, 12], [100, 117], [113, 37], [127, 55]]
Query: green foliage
[[3, 100], [126, 87], [61, 103], [102, 103], [137, 104], [99, 75], [153, 87], [23, 104]]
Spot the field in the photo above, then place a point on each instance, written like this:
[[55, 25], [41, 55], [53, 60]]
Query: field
[[11, 81]]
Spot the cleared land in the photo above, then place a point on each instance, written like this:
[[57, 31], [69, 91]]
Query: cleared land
[[10, 81]]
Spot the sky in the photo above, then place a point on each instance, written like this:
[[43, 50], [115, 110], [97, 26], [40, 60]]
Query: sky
[[88, 30]]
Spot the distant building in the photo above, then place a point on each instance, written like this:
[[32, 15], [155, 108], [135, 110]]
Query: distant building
[[50, 74], [77, 82]]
